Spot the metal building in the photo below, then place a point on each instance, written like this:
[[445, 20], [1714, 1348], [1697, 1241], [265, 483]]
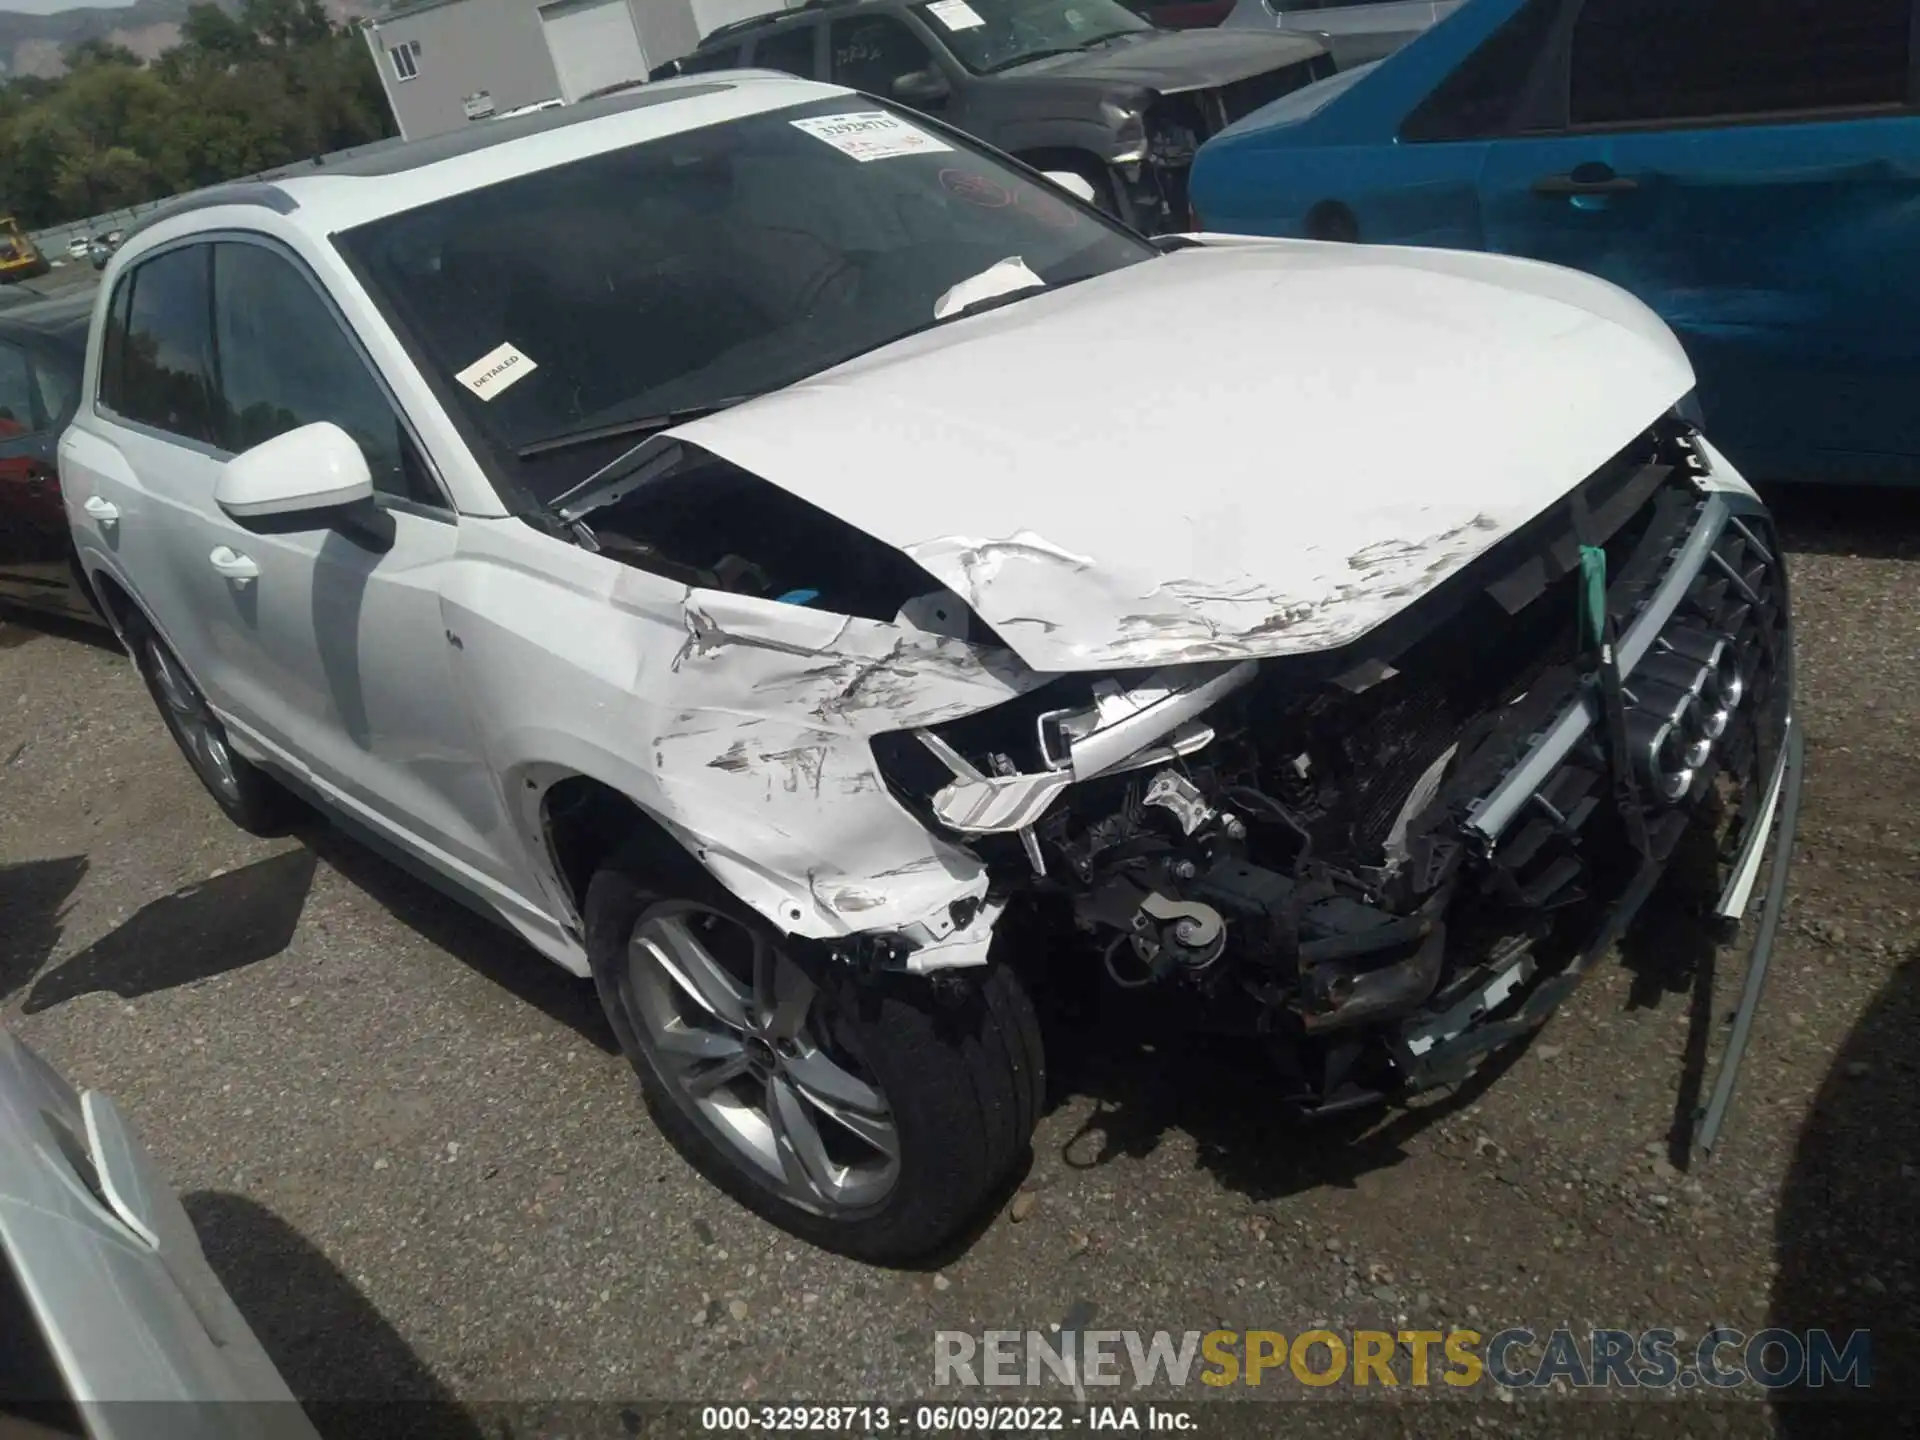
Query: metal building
[[449, 63]]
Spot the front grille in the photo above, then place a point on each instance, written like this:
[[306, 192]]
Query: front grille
[[1499, 665], [1736, 597], [1741, 592]]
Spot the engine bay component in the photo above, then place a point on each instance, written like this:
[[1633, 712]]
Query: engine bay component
[[1404, 842], [1168, 936], [1181, 798], [1126, 728], [1114, 732]]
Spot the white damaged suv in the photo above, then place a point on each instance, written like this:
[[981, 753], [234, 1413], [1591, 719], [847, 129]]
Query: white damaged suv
[[811, 574]]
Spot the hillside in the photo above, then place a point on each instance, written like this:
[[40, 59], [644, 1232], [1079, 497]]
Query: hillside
[[31, 44]]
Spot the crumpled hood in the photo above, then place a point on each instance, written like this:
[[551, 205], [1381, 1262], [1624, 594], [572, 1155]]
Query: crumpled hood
[[1260, 447], [1179, 60]]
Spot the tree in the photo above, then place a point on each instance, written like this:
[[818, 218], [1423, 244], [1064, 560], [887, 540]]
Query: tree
[[210, 39], [277, 82], [83, 53], [287, 24]]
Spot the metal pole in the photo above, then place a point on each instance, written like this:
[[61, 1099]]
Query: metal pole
[[1716, 1111]]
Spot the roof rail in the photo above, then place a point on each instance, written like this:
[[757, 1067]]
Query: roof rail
[[736, 27], [271, 197], [755, 22]]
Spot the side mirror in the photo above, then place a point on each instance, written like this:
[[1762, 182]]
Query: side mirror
[[1074, 184], [316, 467], [921, 88]]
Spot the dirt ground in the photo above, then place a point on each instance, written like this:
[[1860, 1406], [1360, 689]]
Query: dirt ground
[[424, 1172]]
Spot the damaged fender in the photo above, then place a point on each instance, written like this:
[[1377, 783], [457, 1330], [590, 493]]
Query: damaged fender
[[741, 725]]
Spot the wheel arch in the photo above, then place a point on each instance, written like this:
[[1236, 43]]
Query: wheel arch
[[114, 600], [1331, 220], [584, 821]]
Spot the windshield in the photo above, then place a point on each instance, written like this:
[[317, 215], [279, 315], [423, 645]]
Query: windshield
[[990, 35], [690, 271]]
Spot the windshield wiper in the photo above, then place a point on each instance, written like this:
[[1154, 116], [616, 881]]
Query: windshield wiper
[[644, 425], [1013, 60]]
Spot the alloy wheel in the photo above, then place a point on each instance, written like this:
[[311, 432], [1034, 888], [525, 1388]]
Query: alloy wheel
[[200, 734], [750, 1046]]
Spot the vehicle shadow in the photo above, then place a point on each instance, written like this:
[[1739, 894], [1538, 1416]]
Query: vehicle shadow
[[1871, 521], [1847, 1238], [1145, 1081], [200, 930], [351, 1370], [20, 625], [478, 943], [33, 898]]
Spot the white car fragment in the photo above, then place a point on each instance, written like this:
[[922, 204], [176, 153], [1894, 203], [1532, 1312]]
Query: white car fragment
[[746, 576]]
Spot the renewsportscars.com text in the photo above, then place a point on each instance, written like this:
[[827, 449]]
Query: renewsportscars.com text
[[1516, 1358]]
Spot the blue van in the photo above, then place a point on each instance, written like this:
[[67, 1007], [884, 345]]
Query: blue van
[[1749, 168]]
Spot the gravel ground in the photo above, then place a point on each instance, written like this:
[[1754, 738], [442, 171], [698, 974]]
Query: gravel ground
[[421, 1166]]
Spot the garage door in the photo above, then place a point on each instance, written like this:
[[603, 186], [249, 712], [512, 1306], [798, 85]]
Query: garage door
[[593, 43]]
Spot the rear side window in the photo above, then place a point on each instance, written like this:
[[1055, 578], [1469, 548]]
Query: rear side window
[[56, 375], [36, 388], [1480, 98], [113, 342], [17, 405], [874, 51], [1647, 61], [159, 375], [285, 361], [788, 50]]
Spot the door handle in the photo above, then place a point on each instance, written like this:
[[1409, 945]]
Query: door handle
[[1592, 179], [231, 563], [104, 511]]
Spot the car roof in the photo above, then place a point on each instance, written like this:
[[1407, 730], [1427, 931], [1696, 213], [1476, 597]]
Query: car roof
[[394, 178], [60, 319], [733, 31]]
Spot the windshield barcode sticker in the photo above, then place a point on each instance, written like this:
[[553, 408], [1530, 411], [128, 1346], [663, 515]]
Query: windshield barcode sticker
[[870, 135], [495, 371], [955, 14]]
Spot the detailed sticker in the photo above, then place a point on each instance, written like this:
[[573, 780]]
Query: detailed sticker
[[955, 14], [495, 371], [870, 135]]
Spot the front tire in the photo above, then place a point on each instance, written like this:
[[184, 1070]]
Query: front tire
[[251, 799], [872, 1118]]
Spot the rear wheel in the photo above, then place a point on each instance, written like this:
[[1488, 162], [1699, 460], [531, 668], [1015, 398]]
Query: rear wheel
[[250, 798], [875, 1119]]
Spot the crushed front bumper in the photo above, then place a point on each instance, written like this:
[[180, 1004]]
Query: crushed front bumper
[[1722, 574]]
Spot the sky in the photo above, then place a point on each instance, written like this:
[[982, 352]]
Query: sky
[[47, 7]]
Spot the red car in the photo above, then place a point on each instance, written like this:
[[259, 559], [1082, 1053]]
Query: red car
[[43, 349]]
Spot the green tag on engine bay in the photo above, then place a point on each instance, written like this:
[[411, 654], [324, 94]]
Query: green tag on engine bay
[[1593, 593]]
